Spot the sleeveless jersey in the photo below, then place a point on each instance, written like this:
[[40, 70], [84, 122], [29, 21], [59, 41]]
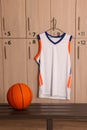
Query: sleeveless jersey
[[53, 58]]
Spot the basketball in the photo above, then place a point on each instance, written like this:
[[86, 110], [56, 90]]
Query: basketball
[[19, 96]]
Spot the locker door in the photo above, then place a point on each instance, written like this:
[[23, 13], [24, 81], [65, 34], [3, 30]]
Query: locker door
[[0, 20], [1, 74], [14, 54], [81, 71], [13, 18], [81, 19], [64, 13], [32, 49], [38, 16]]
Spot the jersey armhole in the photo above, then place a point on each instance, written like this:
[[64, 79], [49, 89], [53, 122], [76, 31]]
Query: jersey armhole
[[69, 43], [37, 57], [70, 38]]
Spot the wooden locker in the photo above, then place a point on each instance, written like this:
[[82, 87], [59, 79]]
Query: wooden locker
[[81, 19], [13, 18], [69, 125], [15, 68], [64, 13], [0, 21], [38, 17], [32, 67], [1, 74], [81, 71]]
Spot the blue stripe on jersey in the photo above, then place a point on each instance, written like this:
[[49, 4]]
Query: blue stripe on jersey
[[70, 38], [38, 37], [61, 37]]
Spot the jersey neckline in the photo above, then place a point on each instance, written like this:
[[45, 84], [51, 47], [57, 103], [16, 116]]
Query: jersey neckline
[[61, 37]]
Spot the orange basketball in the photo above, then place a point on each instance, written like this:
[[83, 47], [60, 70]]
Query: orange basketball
[[19, 96]]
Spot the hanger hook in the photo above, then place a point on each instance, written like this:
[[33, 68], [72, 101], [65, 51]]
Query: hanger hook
[[54, 23]]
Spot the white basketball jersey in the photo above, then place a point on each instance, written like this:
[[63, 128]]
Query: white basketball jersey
[[53, 59]]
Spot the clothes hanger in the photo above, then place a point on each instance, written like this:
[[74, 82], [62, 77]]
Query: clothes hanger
[[54, 28]]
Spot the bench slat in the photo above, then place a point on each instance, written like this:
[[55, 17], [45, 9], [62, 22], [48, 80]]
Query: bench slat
[[46, 111]]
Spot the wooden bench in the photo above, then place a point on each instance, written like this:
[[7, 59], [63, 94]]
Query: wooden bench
[[49, 112]]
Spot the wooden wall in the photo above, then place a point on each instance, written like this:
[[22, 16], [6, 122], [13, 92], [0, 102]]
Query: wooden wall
[[20, 22]]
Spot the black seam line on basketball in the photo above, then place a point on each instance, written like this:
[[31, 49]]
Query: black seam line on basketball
[[22, 96], [14, 105]]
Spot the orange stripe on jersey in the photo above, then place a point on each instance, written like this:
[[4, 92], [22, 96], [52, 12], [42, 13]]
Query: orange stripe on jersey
[[39, 51], [40, 80], [69, 47], [69, 82]]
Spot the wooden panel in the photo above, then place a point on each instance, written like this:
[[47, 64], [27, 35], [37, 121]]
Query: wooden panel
[[64, 12], [81, 70], [0, 20], [1, 74], [64, 111], [14, 52], [69, 125], [81, 19], [13, 17], [32, 66], [23, 125], [38, 16], [44, 15]]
